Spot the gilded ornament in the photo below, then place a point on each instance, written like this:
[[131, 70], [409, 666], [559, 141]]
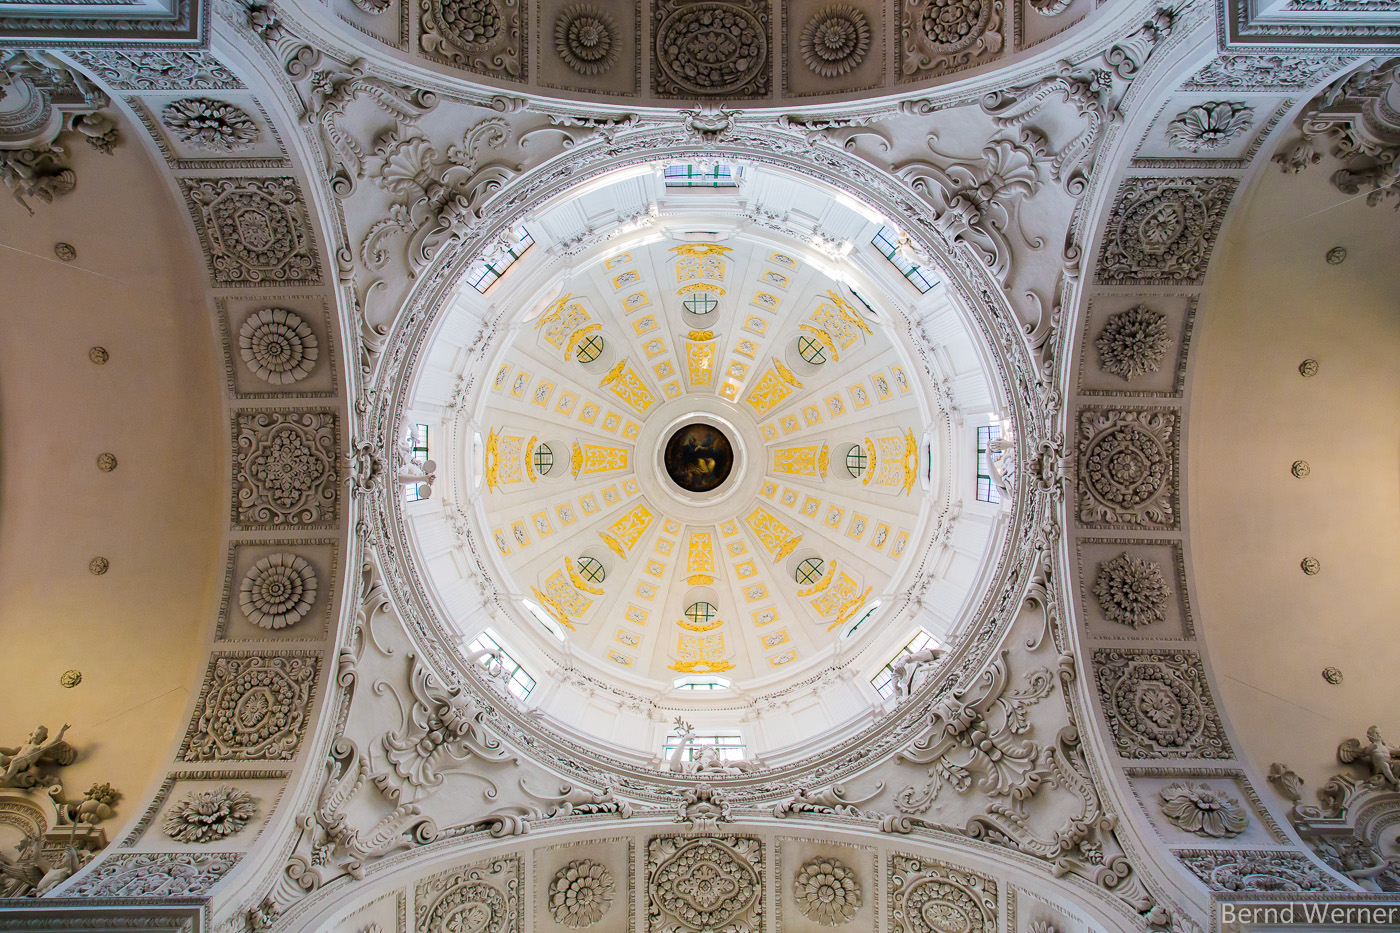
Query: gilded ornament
[[99, 355], [1333, 675], [1311, 566], [98, 566], [1300, 468], [106, 462], [1336, 255], [65, 251], [1308, 368], [71, 678]]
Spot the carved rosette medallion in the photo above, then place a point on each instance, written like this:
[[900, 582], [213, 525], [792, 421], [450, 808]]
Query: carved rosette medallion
[[214, 125], [254, 231], [1162, 230], [1127, 467], [581, 893], [1203, 810], [1209, 126], [210, 815], [826, 890], [252, 708], [285, 468], [835, 40], [155, 875], [278, 591], [1158, 704], [1132, 591], [485, 36], [710, 48], [1133, 342], [277, 346], [944, 35], [705, 883], [931, 897], [586, 39]]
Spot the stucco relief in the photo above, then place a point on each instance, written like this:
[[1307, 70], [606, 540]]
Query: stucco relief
[[1132, 591], [1133, 343], [254, 231], [835, 40], [484, 36], [927, 896], [158, 70], [210, 816], [1226, 871], [1157, 704], [252, 707], [1161, 231], [157, 875], [702, 883], [285, 468], [712, 48], [1128, 471], [944, 35], [484, 897], [207, 123]]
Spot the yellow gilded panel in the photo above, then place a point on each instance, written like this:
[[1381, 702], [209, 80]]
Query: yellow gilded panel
[[802, 461], [623, 534], [624, 382], [770, 531], [777, 384], [700, 560], [591, 458], [700, 654]]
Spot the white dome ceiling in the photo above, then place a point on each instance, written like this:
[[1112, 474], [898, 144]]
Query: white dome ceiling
[[804, 556]]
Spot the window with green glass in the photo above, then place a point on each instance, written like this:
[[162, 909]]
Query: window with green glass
[[589, 348], [810, 571], [701, 613], [700, 302], [811, 350], [591, 569], [856, 461], [543, 459]]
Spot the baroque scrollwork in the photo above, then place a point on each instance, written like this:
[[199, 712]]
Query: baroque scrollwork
[[158, 70], [441, 727], [439, 197], [976, 201], [1233, 872], [155, 875], [1356, 120]]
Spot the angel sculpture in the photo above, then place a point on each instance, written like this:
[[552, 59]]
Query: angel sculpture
[[21, 764], [1379, 755], [910, 669]]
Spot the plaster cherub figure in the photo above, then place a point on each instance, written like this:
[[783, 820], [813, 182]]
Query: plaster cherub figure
[[1379, 755], [21, 764]]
